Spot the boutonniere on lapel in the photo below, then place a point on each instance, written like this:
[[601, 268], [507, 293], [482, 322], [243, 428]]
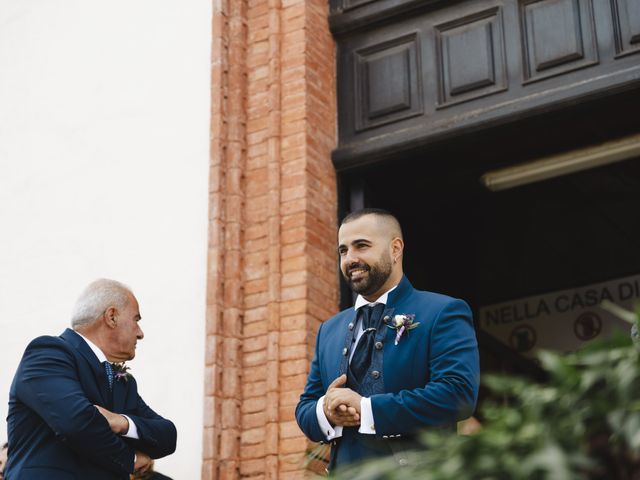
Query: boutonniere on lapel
[[402, 323], [120, 372]]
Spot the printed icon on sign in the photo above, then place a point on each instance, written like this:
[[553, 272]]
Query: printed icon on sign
[[523, 338], [587, 326]]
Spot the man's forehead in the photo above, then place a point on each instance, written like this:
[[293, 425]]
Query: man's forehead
[[133, 302], [133, 299], [366, 227]]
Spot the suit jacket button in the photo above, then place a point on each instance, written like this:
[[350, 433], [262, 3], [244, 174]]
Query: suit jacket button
[[345, 350], [378, 345], [375, 374]]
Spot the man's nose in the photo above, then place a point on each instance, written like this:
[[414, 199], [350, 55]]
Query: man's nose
[[349, 258], [140, 334]]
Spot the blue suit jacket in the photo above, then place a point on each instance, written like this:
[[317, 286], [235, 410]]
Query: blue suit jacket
[[54, 430], [430, 378]]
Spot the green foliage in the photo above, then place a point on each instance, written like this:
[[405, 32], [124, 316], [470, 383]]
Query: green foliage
[[582, 424]]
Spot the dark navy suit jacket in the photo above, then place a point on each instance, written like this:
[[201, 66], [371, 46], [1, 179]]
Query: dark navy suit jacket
[[54, 430], [429, 379]]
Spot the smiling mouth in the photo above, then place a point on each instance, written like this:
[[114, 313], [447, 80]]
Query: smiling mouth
[[357, 273]]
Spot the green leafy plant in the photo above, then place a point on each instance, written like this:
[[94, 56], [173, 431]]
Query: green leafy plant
[[582, 423]]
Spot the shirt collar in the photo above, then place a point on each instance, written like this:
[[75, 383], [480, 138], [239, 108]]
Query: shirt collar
[[361, 301], [95, 349]]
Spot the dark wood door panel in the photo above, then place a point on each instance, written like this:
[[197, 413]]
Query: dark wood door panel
[[470, 53], [558, 36], [626, 20], [388, 82], [418, 72]]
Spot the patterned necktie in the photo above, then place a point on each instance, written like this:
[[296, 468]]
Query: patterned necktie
[[364, 350], [109, 369]]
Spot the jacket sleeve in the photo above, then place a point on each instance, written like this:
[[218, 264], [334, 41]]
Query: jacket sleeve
[[48, 384], [454, 374], [313, 390], [157, 434]]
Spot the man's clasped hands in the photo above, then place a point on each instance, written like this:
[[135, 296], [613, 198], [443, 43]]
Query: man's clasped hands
[[341, 404], [120, 425]]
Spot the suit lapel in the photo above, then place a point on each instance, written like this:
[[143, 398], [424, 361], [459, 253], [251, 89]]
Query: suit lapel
[[97, 369], [398, 359], [387, 315], [395, 299], [340, 350]]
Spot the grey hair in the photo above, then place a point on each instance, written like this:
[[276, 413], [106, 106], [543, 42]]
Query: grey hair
[[96, 298]]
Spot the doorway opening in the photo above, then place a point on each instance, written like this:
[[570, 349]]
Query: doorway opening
[[490, 247]]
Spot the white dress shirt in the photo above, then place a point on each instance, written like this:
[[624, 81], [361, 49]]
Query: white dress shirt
[[367, 424], [133, 430]]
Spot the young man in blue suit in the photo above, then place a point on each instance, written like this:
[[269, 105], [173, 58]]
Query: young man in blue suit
[[399, 361], [75, 415]]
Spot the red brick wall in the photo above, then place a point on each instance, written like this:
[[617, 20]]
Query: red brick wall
[[272, 273]]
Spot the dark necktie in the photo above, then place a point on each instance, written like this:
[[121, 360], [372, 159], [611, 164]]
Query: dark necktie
[[109, 369], [362, 355]]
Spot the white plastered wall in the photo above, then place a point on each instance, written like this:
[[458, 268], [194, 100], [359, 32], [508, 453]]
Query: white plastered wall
[[104, 128]]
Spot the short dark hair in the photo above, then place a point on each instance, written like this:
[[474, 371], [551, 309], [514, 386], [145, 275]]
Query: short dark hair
[[356, 214], [386, 215]]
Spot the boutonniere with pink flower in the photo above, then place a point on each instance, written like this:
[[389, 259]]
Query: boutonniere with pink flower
[[402, 323], [120, 372]]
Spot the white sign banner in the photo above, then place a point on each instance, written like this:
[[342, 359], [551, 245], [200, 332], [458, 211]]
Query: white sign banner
[[561, 321]]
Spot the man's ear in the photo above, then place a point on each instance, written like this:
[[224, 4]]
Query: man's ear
[[397, 247], [111, 317]]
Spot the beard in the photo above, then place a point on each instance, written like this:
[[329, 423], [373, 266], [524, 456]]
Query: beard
[[375, 277]]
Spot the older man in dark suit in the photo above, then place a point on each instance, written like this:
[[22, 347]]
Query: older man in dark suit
[[398, 361], [74, 410]]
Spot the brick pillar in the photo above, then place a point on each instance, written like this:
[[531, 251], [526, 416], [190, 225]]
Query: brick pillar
[[272, 273], [225, 308]]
